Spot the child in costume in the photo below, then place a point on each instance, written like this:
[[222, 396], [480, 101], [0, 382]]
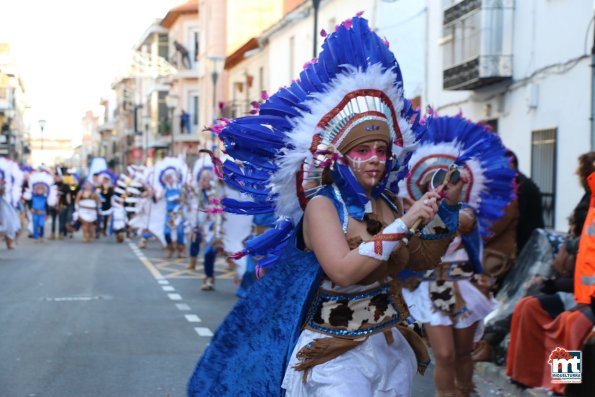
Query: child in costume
[[42, 193], [328, 316], [107, 179], [200, 190], [171, 173], [449, 301], [87, 204]]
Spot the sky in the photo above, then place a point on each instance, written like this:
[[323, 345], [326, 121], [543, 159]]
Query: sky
[[69, 52]]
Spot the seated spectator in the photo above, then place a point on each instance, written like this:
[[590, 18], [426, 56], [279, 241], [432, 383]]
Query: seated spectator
[[538, 327]]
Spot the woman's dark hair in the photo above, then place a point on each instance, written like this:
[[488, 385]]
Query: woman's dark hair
[[513, 158], [586, 166], [372, 225]]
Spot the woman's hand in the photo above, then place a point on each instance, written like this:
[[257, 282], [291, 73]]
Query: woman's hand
[[425, 208]]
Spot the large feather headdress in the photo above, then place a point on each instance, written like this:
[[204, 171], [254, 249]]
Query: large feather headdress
[[278, 156], [476, 150]]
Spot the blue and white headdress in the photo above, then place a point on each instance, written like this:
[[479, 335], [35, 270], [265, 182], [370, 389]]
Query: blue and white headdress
[[109, 175], [170, 166], [45, 180], [280, 154], [472, 147]]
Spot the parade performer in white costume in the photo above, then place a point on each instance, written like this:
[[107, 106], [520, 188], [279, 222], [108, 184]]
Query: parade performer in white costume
[[466, 163], [149, 218], [11, 181], [126, 196], [328, 316]]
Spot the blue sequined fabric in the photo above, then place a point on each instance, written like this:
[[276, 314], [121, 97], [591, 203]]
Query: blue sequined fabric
[[250, 351]]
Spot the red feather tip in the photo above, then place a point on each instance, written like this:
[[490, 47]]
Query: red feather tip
[[238, 255]]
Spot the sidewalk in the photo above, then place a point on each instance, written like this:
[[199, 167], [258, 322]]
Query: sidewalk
[[490, 380]]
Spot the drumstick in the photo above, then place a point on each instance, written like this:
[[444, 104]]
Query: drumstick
[[439, 189]]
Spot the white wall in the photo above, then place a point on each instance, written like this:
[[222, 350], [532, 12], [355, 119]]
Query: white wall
[[547, 35], [403, 24], [302, 29]]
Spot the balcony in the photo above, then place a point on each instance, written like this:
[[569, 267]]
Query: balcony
[[477, 44]]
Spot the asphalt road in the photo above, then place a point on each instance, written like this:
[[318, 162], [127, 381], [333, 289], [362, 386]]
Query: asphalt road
[[108, 319], [82, 320]]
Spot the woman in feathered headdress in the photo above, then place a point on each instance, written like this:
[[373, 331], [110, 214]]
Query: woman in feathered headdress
[[328, 317], [447, 301]]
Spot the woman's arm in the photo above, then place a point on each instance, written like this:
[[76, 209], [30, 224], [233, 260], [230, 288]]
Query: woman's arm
[[78, 197], [324, 236]]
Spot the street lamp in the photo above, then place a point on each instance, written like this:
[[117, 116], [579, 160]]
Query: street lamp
[[217, 68], [41, 127], [171, 102], [146, 121], [316, 5]]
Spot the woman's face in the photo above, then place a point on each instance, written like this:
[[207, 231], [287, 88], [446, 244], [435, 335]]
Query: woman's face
[[368, 162], [88, 186]]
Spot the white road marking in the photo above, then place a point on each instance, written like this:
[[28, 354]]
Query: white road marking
[[174, 297], [192, 318], [150, 267], [203, 331]]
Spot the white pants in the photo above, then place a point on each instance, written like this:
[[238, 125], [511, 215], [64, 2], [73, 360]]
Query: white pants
[[372, 369]]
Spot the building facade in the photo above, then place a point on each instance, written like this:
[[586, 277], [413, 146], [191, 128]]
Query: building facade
[[515, 66], [14, 132], [184, 35]]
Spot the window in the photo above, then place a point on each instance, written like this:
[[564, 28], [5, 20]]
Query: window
[[261, 79], [195, 45], [291, 58], [163, 114], [543, 171], [461, 40], [163, 45], [330, 26]]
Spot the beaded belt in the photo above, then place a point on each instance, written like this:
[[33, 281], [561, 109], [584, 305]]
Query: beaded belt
[[450, 271], [353, 315]]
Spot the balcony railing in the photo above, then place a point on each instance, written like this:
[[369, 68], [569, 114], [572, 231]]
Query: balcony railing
[[477, 44]]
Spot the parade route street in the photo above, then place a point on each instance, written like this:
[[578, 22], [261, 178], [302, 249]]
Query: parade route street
[[91, 320]]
